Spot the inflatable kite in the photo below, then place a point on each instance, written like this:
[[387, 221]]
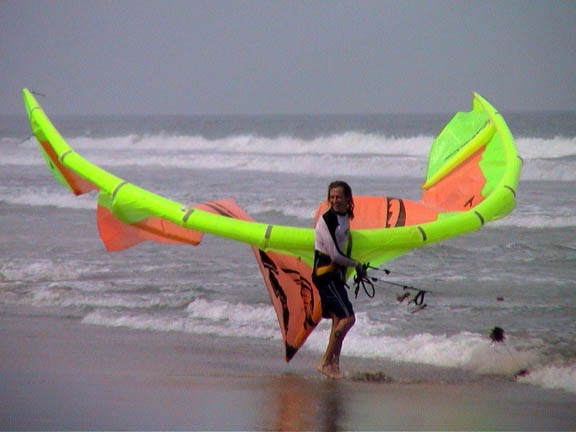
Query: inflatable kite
[[471, 179]]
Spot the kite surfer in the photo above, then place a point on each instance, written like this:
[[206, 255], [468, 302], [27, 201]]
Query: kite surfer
[[331, 238]]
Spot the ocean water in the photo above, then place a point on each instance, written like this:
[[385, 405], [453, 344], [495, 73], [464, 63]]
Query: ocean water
[[518, 273]]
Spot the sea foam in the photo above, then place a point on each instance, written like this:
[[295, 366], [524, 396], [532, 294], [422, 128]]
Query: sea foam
[[553, 377]]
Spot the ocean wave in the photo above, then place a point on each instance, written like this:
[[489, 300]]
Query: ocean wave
[[65, 296], [546, 148], [42, 196], [345, 143], [303, 212], [553, 377], [221, 318], [350, 153], [182, 312], [373, 166], [349, 143], [217, 318], [465, 350], [42, 270], [529, 218], [531, 221]]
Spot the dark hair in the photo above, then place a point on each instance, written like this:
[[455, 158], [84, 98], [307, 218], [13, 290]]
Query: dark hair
[[347, 192]]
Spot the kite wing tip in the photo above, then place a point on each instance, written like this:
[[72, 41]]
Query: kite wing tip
[[290, 352]]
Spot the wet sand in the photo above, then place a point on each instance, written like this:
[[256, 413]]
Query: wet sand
[[60, 374]]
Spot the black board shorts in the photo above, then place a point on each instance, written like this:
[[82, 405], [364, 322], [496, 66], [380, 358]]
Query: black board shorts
[[333, 296]]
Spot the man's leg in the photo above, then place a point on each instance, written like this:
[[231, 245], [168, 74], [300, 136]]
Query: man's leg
[[344, 326], [330, 365]]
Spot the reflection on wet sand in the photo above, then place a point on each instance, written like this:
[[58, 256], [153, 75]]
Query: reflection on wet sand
[[299, 403]]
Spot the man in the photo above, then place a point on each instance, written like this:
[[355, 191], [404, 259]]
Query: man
[[331, 238]]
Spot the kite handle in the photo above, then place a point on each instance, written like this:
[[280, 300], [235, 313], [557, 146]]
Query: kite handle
[[362, 280]]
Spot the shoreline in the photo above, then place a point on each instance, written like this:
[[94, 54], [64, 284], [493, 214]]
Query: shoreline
[[60, 374]]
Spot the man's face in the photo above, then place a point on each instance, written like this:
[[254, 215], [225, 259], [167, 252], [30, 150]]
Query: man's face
[[338, 200]]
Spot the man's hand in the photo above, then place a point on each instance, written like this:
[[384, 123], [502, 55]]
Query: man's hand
[[361, 270]]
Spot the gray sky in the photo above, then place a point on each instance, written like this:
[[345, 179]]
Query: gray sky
[[255, 57]]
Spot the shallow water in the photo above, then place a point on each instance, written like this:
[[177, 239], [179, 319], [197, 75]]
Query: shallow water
[[518, 273]]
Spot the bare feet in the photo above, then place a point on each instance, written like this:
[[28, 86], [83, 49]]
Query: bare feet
[[330, 371]]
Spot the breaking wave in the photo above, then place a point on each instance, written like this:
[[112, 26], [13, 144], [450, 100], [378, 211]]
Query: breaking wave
[[350, 153]]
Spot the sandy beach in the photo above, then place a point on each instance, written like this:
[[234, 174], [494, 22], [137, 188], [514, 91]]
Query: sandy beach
[[60, 374]]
